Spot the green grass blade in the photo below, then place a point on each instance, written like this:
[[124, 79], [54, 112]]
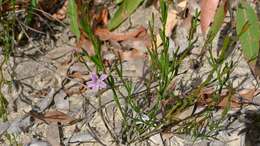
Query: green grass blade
[[124, 10], [32, 6], [72, 13], [249, 39]]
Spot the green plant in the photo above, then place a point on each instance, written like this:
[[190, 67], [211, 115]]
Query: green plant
[[7, 45], [156, 109]]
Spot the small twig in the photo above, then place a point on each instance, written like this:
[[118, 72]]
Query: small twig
[[28, 27], [49, 15]]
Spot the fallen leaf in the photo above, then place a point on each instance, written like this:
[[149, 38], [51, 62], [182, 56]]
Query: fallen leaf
[[208, 9], [61, 14], [101, 17], [234, 103], [104, 34], [248, 30], [132, 55], [86, 45], [247, 96], [51, 6], [57, 116]]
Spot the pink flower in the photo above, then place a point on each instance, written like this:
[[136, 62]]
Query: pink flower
[[97, 82]]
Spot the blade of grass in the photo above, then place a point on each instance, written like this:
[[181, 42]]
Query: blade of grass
[[125, 10], [72, 13]]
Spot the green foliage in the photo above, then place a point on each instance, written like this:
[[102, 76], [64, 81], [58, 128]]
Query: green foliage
[[248, 26], [7, 40], [125, 9], [32, 6], [72, 13], [217, 23]]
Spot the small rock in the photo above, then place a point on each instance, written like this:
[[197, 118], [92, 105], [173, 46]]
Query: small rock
[[53, 135], [45, 103], [38, 143], [61, 102], [156, 140], [82, 137], [4, 127], [20, 125]]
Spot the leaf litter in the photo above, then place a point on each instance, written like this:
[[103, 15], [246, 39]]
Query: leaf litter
[[54, 109]]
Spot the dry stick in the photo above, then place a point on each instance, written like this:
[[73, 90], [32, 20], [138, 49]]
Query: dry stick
[[22, 32], [49, 16], [92, 132], [28, 27], [105, 122]]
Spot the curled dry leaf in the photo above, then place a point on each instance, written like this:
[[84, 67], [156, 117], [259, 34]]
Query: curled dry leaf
[[244, 97], [249, 94], [101, 17], [61, 14], [208, 9], [53, 117], [132, 55], [86, 45], [57, 116], [51, 6], [104, 34]]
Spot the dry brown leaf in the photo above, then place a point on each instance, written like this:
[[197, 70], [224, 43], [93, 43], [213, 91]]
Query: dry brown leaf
[[61, 14], [249, 94], [101, 17], [76, 75], [86, 45], [132, 55], [208, 9], [246, 94], [51, 6], [104, 34], [57, 116]]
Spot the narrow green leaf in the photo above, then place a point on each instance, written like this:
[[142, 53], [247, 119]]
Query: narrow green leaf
[[217, 23], [32, 6], [125, 9], [249, 39], [118, 1], [72, 12]]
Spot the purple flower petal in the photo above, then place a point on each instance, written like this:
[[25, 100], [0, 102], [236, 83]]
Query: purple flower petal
[[102, 85], [95, 88], [103, 77], [96, 82], [91, 84], [94, 76]]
